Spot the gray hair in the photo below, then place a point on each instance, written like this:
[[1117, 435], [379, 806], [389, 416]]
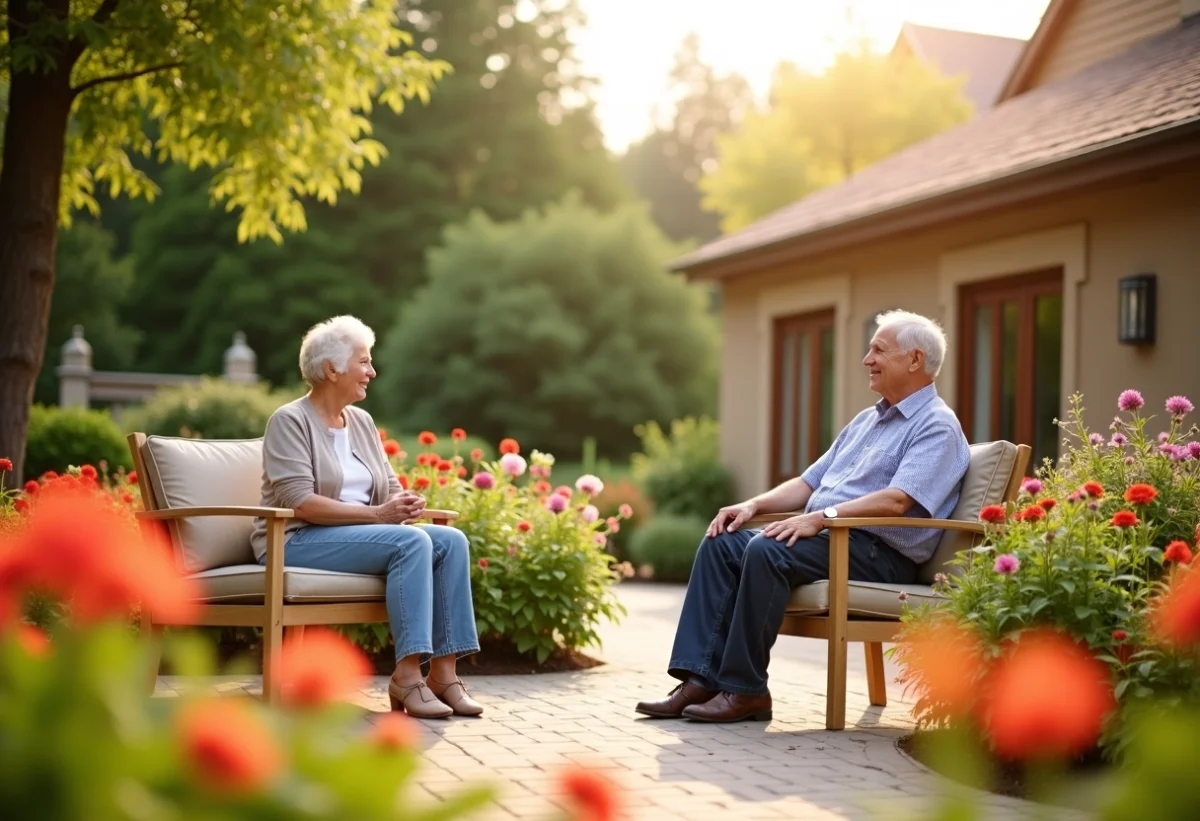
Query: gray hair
[[334, 341], [917, 333]]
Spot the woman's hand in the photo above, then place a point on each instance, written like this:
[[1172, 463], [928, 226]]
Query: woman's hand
[[403, 508]]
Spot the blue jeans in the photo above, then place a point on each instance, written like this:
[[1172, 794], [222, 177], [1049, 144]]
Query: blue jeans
[[428, 569], [738, 594]]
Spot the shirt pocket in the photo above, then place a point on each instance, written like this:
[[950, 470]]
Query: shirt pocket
[[880, 461]]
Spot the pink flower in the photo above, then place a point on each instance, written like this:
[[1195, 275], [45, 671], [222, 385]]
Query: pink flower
[[1118, 440], [1179, 406], [1007, 564], [1031, 486], [513, 464], [1193, 450], [1074, 496], [589, 484], [1130, 400], [601, 540], [1096, 439], [483, 481], [590, 513], [556, 503], [535, 471], [627, 512], [1177, 454], [1163, 437]]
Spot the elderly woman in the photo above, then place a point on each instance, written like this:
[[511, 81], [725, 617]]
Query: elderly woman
[[322, 457]]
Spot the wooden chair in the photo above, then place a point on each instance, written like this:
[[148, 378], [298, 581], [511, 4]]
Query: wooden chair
[[208, 494], [842, 611]]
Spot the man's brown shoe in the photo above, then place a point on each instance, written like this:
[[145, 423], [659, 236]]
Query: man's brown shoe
[[729, 707], [672, 706]]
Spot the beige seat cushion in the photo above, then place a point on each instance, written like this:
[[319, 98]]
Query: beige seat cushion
[[984, 484], [199, 473], [246, 584], [866, 600]]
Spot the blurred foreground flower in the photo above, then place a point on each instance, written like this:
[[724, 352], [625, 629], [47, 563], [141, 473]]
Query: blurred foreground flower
[[227, 746], [942, 663], [1176, 617], [320, 668], [593, 795]]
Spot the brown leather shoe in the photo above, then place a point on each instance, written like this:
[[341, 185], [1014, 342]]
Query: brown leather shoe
[[728, 707], [673, 705], [417, 700]]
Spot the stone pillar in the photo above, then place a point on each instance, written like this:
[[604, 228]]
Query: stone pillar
[[240, 361], [75, 372]]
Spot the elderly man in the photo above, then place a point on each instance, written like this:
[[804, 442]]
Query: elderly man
[[906, 456]]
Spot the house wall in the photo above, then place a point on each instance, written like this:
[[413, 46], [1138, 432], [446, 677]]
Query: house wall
[[1098, 29], [1151, 226]]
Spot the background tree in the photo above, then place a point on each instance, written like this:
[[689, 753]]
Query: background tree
[[269, 94], [821, 128], [665, 167], [552, 327]]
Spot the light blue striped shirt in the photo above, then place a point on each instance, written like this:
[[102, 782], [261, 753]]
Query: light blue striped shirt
[[916, 446]]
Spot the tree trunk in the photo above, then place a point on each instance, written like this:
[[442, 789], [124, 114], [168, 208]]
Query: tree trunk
[[39, 105]]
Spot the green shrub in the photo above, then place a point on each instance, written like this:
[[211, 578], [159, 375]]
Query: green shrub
[[208, 409], [60, 437], [682, 473], [668, 544]]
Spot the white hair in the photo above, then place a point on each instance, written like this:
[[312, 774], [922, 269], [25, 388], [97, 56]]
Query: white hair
[[917, 333], [334, 341]]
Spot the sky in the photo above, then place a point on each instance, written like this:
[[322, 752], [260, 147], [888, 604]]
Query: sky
[[629, 45]]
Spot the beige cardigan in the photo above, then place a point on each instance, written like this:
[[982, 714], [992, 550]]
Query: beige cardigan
[[299, 461]]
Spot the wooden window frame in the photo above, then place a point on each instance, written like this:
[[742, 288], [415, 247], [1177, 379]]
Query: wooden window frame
[[814, 323]]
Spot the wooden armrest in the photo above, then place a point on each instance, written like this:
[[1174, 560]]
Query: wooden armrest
[[447, 515], [216, 510], [907, 521]]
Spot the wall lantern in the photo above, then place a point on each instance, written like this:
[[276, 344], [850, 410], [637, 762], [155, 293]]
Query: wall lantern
[[1137, 310]]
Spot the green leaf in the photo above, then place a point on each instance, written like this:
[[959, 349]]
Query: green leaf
[[1082, 612], [1067, 585]]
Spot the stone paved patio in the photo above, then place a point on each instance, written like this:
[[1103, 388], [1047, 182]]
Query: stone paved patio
[[790, 767]]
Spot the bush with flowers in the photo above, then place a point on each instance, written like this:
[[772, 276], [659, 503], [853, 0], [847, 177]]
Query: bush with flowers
[[82, 739], [542, 579], [1088, 561]]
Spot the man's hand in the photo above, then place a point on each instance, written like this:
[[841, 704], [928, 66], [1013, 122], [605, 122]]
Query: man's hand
[[729, 519], [403, 508], [804, 526]]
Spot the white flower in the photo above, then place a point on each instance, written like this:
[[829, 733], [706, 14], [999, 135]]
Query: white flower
[[513, 464], [590, 513], [589, 484]]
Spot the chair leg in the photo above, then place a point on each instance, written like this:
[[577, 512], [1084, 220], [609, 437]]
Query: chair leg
[[876, 681], [152, 636], [835, 688], [272, 642]]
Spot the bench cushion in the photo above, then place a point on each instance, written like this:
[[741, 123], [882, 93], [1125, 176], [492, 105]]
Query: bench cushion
[[866, 600], [246, 583]]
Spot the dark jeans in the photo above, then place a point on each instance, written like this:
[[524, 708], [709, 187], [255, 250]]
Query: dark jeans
[[738, 594]]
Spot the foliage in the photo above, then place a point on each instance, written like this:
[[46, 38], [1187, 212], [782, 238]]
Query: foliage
[[682, 472], [668, 543], [558, 325], [822, 128], [541, 577], [617, 493], [60, 437], [1085, 551], [92, 285], [207, 409], [665, 167]]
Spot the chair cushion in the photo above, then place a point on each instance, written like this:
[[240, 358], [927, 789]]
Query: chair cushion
[[867, 600], [985, 483], [246, 584], [199, 472]]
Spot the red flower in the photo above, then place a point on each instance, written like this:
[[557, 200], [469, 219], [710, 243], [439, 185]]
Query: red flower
[[993, 514], [458, 434], [1124, 518], [509, 446], [483, 563], [127, 498], [1140, 494], [88, 472], [20, 505], [32, 487], [382, 434], [476, 455], [403, 481], [133, 480], [462, 472], [1047, 698], [421, 482], [427, 438], [1093, 489], [444, 465], [391, 447], [524, 526], [1033, 513], [1048, 504], [33, 641], [5, 465], [441, 480], [1119, 635], [1178, 552], [395, 731], [1176, 616], [594, 796], [319, 669], [48, 475], [228, 748]]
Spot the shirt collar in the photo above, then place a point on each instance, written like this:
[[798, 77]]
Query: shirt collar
[[909, 405]]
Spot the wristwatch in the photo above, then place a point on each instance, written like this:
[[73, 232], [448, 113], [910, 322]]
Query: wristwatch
[[830, 513]]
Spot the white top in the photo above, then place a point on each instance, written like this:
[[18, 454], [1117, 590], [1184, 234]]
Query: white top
[[357, 482]]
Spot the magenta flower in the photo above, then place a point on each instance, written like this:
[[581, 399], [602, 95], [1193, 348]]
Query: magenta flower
[[1118, 440], [1193, 449], [1163, 437], [1096, 439], [589, 484], [1031, 486], [1179, 406], [1130, 400], [556, 503], [483, 481], [590, 513], [513, 464], [1007, 564]]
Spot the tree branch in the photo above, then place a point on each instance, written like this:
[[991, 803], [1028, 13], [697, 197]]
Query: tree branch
[[78, 43], [117, 78], [105, 11]]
